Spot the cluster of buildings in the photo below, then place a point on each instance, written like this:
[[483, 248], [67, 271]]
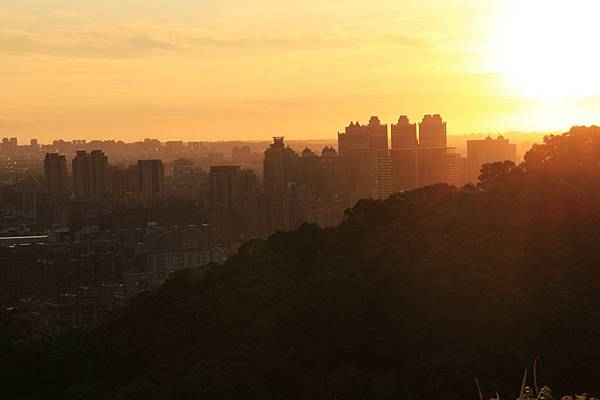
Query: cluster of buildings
[[93, 178], [62, 280], [416, 157], [82, 235]]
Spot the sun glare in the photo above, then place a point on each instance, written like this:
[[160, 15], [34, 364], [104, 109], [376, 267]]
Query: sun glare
[[548, 49]]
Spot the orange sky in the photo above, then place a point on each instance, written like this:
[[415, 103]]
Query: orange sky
[[249, 69]]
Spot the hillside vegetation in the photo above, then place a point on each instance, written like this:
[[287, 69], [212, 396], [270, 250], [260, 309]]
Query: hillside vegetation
[[409, 298]]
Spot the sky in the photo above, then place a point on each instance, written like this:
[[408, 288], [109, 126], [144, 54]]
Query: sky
[[251, 69]]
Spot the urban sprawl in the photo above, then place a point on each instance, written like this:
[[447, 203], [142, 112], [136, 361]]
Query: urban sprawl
[[84, 226]]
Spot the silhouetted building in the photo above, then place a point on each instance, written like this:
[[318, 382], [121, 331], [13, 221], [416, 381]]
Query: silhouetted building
[[405, 172], [90, 174], [280, 171], [182, 167], [252, 205], [404, 134], [119, 180], [404, 155], [432, 155], [234, 198], [432, 164], [432, 131], [373, 136], [151, 175], [225, 186], [9, 146], [241, 153], [55, 171], [362, 145], [384, 177], [457, 169], [326, 176], [280, 166], [487, 151], [422, 162], [186, 174]]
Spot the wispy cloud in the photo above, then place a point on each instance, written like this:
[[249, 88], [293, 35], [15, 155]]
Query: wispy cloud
[[105, 44], [135, 41]]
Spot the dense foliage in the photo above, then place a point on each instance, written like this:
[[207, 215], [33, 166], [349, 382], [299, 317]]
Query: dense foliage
[[409, 298]]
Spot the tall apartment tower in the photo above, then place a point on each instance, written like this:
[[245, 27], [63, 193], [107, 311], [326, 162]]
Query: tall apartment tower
[[225, 197], [55, 171], [325, 176], [433, 132], [373, 136], [404, 134], [280, 166], [150, 177], [362, 145], [432, 158], [280, 171], [404, 155], [487, 151], [224, 186], [384, 176], [90, 173]]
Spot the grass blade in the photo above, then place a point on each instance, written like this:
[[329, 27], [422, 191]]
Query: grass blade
[[523, 383], [535, 382], [479, 389]]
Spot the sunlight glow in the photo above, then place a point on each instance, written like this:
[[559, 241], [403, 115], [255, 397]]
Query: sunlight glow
[[548, 49]]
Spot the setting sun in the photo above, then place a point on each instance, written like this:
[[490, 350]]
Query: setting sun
[[548, 49]]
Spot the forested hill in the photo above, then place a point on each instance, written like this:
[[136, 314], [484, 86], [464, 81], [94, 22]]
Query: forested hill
[[409, 298]]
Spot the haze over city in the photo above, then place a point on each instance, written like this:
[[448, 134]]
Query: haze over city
[[239, 70], [314, 200]]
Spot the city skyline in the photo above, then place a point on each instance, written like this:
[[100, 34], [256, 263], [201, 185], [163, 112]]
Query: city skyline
[[200, 70], [235, 199]]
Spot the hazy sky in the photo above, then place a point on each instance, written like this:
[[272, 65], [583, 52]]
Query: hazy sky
[[249, 69]]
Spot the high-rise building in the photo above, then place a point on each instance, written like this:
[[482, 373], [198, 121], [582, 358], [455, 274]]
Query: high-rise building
[[384, 177], [150, 177], [251, 205], [432, 157], [80, 166], [361, 145], [432, 131], [432, 164], [404, 155], [326, 176], [90, 174], [457, 169], [9, 146], [405, 171], [225, 186], [280, 166], [241, 153], [404, 134], [225, 197], [487, 151], [373, 136], [280, 171], [55, 171], [118, 180]]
